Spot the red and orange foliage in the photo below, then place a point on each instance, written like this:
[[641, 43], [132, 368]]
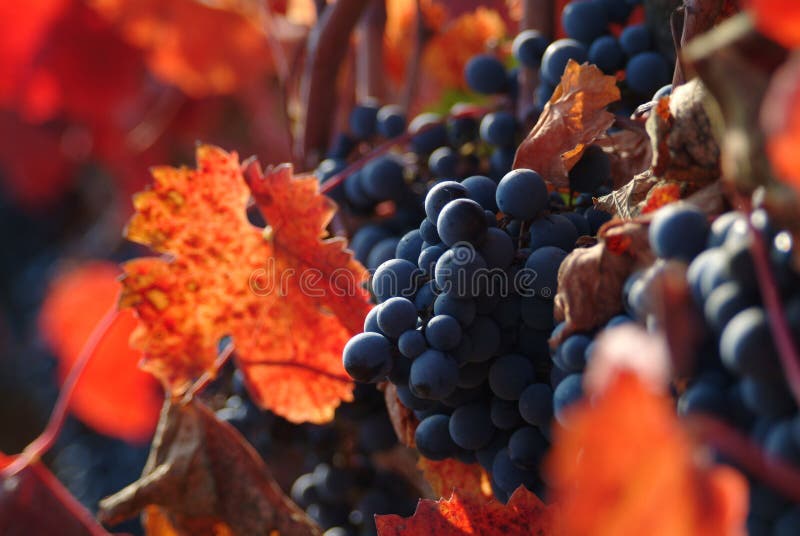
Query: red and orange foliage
[[619, 471], [289, 298], [457, 32], [177, 39], [112, 395], [781, 119], [460, 515], [778, 19], [451, 475]]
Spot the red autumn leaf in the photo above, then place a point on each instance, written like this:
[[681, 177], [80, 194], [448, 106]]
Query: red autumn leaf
[[33, 501], [112, 396], [450, 475], [525, 514], [645, 476], [289, 299], [176, 38], [778, 19], [573, 118]]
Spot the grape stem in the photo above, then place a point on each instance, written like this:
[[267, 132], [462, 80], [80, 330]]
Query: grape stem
[[369, 52], [45, 441], [790, 360], [209, 376], [776, 473]]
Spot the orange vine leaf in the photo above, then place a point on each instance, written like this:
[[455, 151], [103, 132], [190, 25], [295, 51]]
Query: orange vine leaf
[[75, 304], [288, 297], [646, 476], [525, 514], [451, 475], [573, 118]]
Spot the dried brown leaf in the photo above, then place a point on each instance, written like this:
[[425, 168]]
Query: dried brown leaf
[[590, 279], [202, 477], [625, 202], [630, 154], [575, 116]]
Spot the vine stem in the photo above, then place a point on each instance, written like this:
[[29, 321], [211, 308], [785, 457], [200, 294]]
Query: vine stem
[[790, 360], [44, 442], [386, 146], [730, 442], [209, 377]]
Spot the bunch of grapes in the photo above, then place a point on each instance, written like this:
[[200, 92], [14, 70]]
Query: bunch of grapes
[[739, 376], [464, 314]]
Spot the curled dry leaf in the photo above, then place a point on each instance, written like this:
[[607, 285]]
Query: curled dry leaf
[[448, 476], [590, 280], [629, 152], [685, 144], [403, 419], [112, 379], [33, 501], [625, 202], [289, 298], [646, 477], [525, 514], [202, 477], [574, 117]]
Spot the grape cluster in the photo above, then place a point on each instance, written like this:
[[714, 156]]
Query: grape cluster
[[464, 314], [739, 377]]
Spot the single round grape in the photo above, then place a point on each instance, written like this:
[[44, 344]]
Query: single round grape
[[428, 232], [481, 189], [396, 277], [439, 196], [596, 218], [607, 54], [427, 133], [521, 194], [500, 161], [497, 249], [411, 343], [579, 221], [571, 355], [536, 404], [432, 438], [635, 39], [396, 316], [443, 332], [457, 272], [462, 220], [678, 231], [434, 375], [485, 74], [498, 128], [584, 20], [510, 476], [556, 56], [363, 119], [367, 357], [471, 426], [646, 72], [566, 393], [443, 162], [528, 47], [365, 239], [382, 179], [391, 121], [409, 400], [409, 246]]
